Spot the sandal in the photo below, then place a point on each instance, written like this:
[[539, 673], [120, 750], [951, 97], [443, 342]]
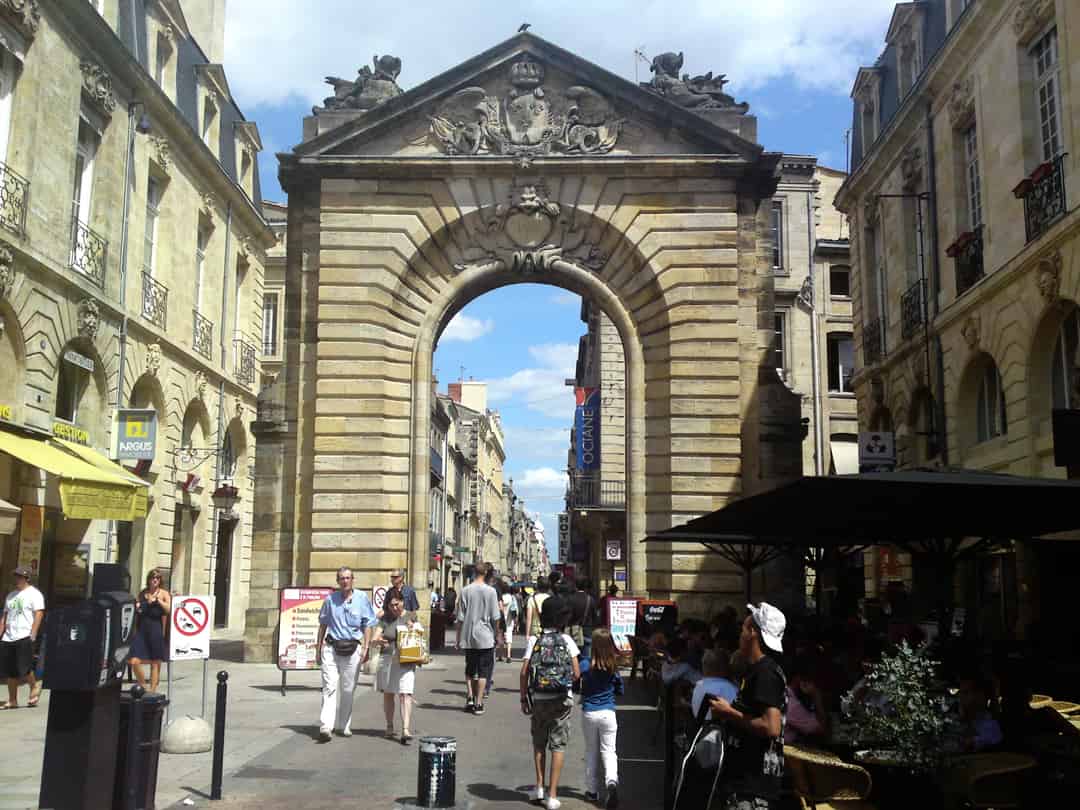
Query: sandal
[[390, 734], [35, 696], [406, 738], [9, 706]]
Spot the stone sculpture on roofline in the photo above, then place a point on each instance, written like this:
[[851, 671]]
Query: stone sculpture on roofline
[[371, 88], [699, 93]]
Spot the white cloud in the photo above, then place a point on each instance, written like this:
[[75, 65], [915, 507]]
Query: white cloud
[[466, 329], [565, 298], [280, 50], [540, 388], [542, 479], [538, 443]]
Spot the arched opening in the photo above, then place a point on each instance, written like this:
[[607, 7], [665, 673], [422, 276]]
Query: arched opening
[[193, 482], [80, 402], [12, 366], [923, 430], [137, 542], [982, 409], [232, 463]]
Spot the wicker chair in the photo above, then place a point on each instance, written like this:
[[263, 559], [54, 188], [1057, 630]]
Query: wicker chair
[[989, 780], [823, 781]]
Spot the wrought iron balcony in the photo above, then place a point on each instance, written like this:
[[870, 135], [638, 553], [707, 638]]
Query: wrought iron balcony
[[1043, 193], [202, 336], [591, 492], [436, 462], [873, 342], [244, 360], [88, 252], [967, 251], [14, 193], [155, 301], [913, 309]]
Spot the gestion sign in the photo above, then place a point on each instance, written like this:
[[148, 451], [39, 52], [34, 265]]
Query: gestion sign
[[189, 636], [298, 627]]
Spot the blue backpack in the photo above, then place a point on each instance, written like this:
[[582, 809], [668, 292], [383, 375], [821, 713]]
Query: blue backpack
[[551, 667]]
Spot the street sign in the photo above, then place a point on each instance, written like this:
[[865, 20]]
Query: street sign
[[876, 450], [614, 550], [190, 636], [378, 596], [620, 574], [298, 627]]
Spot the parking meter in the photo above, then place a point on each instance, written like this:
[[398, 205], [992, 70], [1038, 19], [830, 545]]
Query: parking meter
[[86, 644]]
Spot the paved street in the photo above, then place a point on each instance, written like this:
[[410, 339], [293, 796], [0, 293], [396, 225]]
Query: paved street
[[273, 759]]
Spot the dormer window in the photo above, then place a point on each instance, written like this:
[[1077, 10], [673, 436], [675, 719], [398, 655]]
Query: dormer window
[[209, 121], [162, 57], [905, 38]]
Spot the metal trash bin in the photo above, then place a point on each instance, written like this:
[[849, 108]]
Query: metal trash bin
[[437, 772], [149, 748]]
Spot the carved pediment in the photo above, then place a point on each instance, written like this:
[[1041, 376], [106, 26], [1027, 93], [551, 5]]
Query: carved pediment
[[525, 99], [97, 87]]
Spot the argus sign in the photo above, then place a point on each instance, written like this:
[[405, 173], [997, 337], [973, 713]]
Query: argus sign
[[587, 429]]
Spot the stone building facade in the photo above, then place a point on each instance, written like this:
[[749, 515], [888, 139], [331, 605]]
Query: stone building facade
[[130, 277], [525, 163], [967, 261]]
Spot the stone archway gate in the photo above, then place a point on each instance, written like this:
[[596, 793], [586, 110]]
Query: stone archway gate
[[525, 163]]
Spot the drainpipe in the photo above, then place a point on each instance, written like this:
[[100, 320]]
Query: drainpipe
[[819, 460], [934, 286], [129, 160], [221, 393]]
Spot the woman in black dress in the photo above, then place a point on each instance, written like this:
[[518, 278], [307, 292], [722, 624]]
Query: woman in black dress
[[151, 625]]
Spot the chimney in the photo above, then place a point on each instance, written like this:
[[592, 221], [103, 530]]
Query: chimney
[[206, 20], [454, 389]]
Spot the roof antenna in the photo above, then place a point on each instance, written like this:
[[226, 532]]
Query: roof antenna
[[523, 28], [639, 57]]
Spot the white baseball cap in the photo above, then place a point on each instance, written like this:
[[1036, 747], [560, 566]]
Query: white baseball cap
[[771, 622]]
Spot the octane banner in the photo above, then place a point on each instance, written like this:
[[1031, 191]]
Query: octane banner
[[587, 429], [298, 627]]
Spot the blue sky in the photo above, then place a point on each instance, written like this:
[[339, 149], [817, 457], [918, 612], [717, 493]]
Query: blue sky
[[793, 61]]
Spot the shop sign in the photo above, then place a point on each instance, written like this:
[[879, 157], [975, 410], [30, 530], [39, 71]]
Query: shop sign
[[298, 627], [136, 434], [614, 550], [31, 528], [80, 360], [620, 574], [877, 451], [71, 433], [622, 621], [6, 413], [587, 429]]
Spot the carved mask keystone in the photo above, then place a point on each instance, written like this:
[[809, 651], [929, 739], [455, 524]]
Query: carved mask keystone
[[161, 152], [153, 359], [23, 14], [89, 318], [98, 86], [200, 384], [7, 270], [1031, 17], [971, 331], [911, 168], [962, 104], [1048, 276]]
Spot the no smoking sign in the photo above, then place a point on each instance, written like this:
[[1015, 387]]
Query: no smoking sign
[[190, 636]]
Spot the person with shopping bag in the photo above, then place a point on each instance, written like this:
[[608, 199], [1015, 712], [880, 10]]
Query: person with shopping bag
[[345, 622], [402, 650]]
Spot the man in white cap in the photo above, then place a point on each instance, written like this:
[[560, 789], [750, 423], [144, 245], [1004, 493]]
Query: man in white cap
[[754, 759]]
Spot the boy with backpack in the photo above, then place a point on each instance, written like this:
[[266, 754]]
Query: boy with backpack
[[548, 674]]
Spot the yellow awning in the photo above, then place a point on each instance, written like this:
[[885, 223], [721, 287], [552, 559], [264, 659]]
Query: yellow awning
[[87, 491], [845, 457]]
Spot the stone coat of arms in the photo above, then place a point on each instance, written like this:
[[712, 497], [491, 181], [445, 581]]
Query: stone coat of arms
[[528, 121]]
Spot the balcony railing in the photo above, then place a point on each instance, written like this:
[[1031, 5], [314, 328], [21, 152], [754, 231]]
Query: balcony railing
[[591, 492], [14, 193], [436, 462], [913, 309], [244, 360], [1043, 193], [873, 342], [202, 335], [967, 251], [88, 251], [155, 301]]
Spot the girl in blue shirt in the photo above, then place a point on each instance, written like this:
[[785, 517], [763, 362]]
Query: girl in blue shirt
[[600, 683]]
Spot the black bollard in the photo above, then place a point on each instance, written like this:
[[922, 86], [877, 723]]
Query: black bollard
[[219, 735], [436, 780], [134, 745]]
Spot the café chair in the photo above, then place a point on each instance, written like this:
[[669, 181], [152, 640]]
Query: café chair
[[1065, 708], [1040, 701], [990, 780], [823, 781]]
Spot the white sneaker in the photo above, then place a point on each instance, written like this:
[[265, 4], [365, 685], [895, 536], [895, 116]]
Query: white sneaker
[[536, 794], [552, 803], [324, 733], [346, 732]]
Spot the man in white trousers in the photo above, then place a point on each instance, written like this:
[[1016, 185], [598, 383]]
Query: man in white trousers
[[345, 623]]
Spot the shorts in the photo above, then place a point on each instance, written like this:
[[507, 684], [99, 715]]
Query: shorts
[[551, 723], [480, 663], [16, 658]]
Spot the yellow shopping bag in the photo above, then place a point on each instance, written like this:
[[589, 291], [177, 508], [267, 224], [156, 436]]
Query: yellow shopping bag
[[412, 645]]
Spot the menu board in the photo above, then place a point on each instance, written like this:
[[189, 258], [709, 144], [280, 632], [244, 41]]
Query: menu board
[[298, 627], [622, 619]]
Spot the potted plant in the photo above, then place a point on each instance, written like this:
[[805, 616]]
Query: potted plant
[[902, 715]]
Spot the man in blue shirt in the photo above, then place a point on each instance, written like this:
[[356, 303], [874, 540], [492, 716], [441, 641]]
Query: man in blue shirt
[[345, 623], [408, 593]]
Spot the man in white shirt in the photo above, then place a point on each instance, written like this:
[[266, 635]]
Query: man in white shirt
[[20, 623]]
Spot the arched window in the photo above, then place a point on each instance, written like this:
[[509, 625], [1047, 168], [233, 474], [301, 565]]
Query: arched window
[[991, 420], [228, 457], [1065, 364]]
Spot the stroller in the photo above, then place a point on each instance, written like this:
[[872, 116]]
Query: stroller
[[706, 752]]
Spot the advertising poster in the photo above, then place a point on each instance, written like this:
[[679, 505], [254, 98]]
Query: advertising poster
[[587, 429], [31, 528], [298, 627], [622, 621]]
